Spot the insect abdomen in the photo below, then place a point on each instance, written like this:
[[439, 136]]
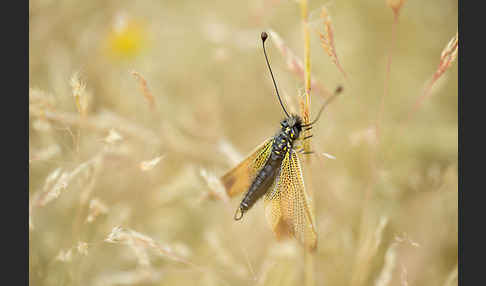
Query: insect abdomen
[[261, 183], [281, 145]]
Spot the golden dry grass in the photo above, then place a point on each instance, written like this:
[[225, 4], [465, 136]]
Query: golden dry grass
[[136, 108]]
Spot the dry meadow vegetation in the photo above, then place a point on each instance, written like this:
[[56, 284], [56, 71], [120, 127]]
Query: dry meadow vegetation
[[137, 107]]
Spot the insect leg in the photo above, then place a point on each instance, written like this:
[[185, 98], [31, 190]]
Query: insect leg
[[307, 137], [299, 148], [301, 151]]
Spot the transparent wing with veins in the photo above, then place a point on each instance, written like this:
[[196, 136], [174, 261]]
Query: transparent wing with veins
[[287, 206]]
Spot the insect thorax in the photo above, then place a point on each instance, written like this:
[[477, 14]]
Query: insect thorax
[[289, 132]]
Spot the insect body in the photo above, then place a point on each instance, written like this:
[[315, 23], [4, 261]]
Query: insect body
[[273, 170], [282, 143]]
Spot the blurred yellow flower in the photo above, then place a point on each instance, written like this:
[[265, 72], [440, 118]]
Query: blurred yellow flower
[[126, 39]]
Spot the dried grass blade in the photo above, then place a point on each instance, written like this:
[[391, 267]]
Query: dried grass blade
[[145, 90], [81, 96], [447, 57], [327, 40], [138, 240]]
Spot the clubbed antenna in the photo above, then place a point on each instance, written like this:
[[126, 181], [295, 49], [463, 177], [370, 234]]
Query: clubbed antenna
[[264, 37]]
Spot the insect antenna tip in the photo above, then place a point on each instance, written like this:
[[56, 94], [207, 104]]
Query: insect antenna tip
[[264, 36], [339, 89]]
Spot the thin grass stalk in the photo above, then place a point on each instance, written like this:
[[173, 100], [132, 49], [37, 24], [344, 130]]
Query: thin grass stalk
[[374, 165], [327, 40], [305, 102], [305, 112], [447, 57], [145, 90], [386, 83], [360, 273], [296, 66]]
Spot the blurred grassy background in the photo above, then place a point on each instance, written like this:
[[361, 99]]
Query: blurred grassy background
[[386, 210]]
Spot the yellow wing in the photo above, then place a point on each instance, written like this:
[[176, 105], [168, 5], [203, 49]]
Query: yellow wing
[[273, 212], [287, 206], [238, 179]]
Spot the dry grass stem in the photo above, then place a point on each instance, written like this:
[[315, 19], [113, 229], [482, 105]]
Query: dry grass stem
[[58, 181], [305, 104], [96, 208], [216, 188], [395, 5], [386, 273], [150, 164], [222, 254], [39, 102], [82, 248], [327, 40], [141, 243], [406, 239], [234, 157], [404, 276], [328, 156], [295, 65], [368, 247], [45, 154], [88, 188], [55, 183], [145, 90], [81, 96], [113, 137], [447, 58], [67, 255], [305, 101], [106, 120]]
